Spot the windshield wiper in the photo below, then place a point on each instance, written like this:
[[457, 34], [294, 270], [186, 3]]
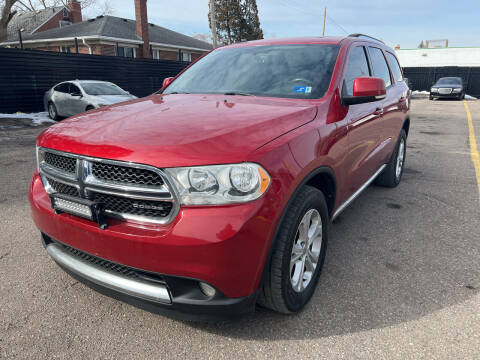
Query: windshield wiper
[[238, 93]]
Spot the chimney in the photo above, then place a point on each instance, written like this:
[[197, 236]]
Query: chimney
[[142, 28], [75, 9]]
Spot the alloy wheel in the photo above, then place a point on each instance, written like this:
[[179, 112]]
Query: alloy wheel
[[306, 250]]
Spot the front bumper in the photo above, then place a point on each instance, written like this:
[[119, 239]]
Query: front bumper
[[446, 96], [225, 247], [174, 297]]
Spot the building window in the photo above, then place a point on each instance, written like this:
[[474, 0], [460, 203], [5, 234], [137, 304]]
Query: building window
[[65, 13], [156, 54], [184, 56], [126, 52], [65, 49]]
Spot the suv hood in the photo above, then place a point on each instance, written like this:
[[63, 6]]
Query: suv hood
[[179, 130]]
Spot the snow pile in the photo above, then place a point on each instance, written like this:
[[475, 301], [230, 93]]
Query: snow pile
[[418, 94], [37, 118], [468, 97]]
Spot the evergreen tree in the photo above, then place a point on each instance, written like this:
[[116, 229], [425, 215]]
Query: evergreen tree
[[251, 22], [237, 21]]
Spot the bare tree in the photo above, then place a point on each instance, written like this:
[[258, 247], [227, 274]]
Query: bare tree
[[6, 14], [103, 7]]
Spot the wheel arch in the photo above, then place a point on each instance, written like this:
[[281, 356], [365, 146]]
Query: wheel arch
[[317, 178]]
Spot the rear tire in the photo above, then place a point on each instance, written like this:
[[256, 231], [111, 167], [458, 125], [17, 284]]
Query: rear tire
[[430, 97], [392, 174], [52, 111], [298, 254]]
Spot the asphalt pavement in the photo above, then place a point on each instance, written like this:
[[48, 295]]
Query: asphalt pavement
[[401, 278]]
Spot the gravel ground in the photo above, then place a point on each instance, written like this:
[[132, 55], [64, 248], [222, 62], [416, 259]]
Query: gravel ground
[[401, 279]]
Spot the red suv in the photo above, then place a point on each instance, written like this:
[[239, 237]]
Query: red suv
[[217, 193]]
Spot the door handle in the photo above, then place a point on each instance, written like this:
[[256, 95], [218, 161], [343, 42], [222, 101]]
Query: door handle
[[378, 111]]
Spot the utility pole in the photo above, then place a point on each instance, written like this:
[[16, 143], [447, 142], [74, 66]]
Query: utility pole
[[213, 22], [324, 20]]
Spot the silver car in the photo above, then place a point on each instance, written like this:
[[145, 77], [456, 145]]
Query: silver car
[[73, 97]]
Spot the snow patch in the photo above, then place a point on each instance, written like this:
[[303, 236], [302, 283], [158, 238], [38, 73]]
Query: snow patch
[[37, 118], [469, 97]]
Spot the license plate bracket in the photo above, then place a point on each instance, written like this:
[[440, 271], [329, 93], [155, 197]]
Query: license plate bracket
[[76, 206]]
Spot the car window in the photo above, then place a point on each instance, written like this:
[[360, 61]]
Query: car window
[[395, 67], [379, 65], [285, 71], [357, 66], [74, 89], [96, 88], [63, 88]]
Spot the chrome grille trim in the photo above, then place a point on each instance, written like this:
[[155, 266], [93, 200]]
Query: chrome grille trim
[[88, 185], [445, 91]]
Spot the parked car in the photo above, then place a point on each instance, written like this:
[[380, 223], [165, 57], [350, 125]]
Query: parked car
[[73, 97], [218, 192], [448, 87]]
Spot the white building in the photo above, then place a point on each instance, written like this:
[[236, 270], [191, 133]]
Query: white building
[[437, 57]]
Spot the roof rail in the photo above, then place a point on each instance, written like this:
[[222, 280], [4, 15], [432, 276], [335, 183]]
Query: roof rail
[[363, 35]]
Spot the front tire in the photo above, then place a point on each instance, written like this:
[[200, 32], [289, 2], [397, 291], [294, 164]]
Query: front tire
[[52, 111], [298, 254], [392, 174], [431, 97]]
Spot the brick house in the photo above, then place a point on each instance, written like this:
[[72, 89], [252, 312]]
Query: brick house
[[61, 29]]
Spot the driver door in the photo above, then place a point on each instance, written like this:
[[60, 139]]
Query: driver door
[[364, 125]]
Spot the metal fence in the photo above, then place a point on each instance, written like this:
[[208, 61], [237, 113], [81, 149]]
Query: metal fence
[[26, 75], [422, 78]]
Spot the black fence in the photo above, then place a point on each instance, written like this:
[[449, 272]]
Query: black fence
[[26, 75], [422, 78]]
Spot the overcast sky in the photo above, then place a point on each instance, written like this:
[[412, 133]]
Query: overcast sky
[[406, 22]]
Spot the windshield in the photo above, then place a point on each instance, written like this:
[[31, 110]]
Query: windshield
[[102, 89], [288, 71], [449, 81]]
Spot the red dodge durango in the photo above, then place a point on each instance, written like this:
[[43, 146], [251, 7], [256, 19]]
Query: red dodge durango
[[217, 193]]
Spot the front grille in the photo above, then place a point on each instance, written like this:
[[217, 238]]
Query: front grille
[[113, 267], [124, 174], [65, 163], [63, 188], [445, 91], [122, 205], [146, 196]]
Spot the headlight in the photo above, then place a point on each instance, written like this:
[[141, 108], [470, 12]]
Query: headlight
[[433, 90], [457, 90], [219, 184]]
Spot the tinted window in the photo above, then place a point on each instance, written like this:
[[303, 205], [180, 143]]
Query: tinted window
[[74, 89], [102, 89], [357, 66], [63, 88], [395, 67], [379, 65], [287, 71]]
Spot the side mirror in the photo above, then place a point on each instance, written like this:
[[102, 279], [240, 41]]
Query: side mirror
[[167, 81], [365, 90]]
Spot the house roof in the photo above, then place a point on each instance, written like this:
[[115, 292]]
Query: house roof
[[29, 21], [119, 29]]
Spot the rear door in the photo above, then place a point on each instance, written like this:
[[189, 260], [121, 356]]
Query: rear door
[[59, 98], [364, 125], [396, 109]]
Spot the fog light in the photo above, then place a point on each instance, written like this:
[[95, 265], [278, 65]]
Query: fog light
[[207, 289]]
